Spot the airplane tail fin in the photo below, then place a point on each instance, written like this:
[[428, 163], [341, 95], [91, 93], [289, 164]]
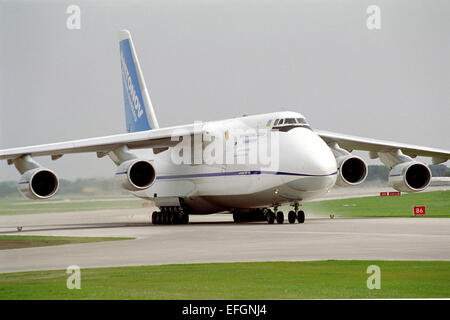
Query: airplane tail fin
[[139, 112]]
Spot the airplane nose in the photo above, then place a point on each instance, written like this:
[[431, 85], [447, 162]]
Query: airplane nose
[[315, 156], [315, 162]]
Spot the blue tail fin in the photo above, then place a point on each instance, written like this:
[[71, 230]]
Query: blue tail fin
[[139, 113]]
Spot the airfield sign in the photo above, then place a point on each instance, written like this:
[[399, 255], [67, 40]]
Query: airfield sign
[[419, 210], [390, 194]]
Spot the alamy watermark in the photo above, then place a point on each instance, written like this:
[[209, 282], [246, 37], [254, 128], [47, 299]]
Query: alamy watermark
[[73, 21], [373, 281], [74, 280], [373, 21], [226, 146]]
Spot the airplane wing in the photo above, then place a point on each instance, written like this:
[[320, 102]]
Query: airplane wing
[[156, 138], [351, 143], [141, 123]]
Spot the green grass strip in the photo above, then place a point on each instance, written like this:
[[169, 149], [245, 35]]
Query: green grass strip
[[437, 205], [15, 242], [257, 280], [9, 206]]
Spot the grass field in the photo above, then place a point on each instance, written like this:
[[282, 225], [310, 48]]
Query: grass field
[[24, 206], [437, 205], [258, 280], [15, 242]]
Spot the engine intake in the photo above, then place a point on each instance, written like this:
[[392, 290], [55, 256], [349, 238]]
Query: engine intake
[[135, 175], [410, 177], [39, 183], [352, 170]]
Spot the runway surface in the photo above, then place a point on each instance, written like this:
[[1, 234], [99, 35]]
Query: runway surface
[[216, 238]]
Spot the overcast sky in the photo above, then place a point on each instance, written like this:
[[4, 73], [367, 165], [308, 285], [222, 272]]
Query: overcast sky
[[217, 59]]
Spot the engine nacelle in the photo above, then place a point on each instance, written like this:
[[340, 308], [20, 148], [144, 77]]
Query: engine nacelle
[[352, 170], [39, 183], [410, 177], [136, 174]]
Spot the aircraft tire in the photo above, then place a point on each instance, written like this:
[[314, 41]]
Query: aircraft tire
[[171, 218], [176, 217], [280, 217], [271, 217], [291, 217], [184, 218], [300, 216]]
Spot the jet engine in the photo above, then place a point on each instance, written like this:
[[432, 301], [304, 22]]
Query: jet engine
[[410, 176], [352, 170], [136, 174], [38, 183]]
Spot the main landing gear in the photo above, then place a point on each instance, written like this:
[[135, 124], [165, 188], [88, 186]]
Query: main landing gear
[[170, 215], [248, 216]]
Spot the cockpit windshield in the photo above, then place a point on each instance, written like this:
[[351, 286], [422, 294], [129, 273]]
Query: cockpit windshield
[[302, 121], [289, 123]]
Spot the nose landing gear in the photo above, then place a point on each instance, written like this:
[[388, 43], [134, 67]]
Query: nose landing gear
[[274, 215], [300, 216], [280, 217], [293, 215]]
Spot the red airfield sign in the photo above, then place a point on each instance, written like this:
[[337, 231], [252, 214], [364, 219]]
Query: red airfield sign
[[419, 210], [390, 193]]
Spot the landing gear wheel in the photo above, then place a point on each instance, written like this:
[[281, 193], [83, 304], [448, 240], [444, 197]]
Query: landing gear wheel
[[280, 217], [265, 213], [154, 217], [184, 218], [291, 216], [301, 216], [271, 217], [176, 217], [171, 218], [158, 217], [236, 217], [165, 218]]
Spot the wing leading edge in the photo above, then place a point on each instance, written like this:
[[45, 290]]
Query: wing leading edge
[[375, 146], [156, 138]]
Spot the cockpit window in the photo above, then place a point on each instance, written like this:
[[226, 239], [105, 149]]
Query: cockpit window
[[301, 121], [290, 121], [287, 124]]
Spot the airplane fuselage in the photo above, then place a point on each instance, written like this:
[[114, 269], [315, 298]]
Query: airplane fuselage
[[302, 167]]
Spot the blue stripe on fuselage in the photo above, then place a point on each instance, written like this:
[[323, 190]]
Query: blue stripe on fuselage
[[239, 173]]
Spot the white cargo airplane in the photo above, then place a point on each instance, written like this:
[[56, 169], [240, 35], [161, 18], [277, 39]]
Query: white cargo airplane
[[312, 161]]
